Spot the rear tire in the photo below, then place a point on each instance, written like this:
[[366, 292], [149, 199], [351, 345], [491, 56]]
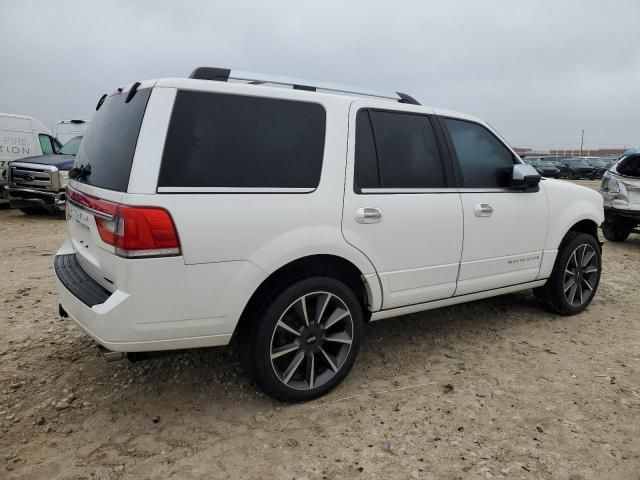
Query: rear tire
[[615, 232], [303, 342], [575, 276]]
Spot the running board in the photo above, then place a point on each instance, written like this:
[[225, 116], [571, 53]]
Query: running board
[[420, 307]]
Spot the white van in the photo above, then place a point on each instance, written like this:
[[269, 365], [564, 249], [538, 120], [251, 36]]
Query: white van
[[71, 126], [22, 137]]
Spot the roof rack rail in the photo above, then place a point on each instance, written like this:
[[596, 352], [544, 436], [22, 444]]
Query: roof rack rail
[[225, 74]]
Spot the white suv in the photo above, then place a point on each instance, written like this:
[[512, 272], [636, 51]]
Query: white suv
[[225, 204]]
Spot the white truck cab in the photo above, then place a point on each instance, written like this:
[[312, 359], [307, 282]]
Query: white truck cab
[[290, 212], [71, 126], [20, 137]]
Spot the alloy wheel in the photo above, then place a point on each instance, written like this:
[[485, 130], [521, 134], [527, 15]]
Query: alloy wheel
[[311, 340], [581, 275]]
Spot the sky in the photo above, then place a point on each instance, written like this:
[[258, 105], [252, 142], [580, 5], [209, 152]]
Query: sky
[[539, 72]]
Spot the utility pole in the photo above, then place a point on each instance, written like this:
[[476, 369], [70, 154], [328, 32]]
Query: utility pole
[[581, 142]]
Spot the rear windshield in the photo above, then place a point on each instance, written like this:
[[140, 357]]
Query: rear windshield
[[110, 141]]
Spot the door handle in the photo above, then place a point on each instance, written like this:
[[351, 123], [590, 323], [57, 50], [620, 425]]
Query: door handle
[[368, 215], [483, 210]]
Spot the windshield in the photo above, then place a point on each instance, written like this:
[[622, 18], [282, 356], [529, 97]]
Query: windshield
[[629, 166], [545, 163], [71, 147]]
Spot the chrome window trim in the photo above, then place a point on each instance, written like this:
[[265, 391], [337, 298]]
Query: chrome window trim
[[233, 190], [487, 190], [370, 191]]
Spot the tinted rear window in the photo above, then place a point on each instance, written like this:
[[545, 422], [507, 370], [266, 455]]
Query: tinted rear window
[[396, 150], [219, 140], [110, 141]]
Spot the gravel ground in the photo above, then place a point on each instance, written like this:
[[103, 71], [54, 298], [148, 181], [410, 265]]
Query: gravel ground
[[491, 389]]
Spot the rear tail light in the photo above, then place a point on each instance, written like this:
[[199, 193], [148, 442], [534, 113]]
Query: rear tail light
[[134, 231]]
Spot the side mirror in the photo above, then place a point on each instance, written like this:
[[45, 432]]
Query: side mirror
[[524, 177]]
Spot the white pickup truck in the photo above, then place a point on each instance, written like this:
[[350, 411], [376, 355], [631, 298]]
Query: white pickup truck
[[20, 137]]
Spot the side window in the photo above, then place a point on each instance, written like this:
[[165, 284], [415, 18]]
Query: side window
[[366, 163], [46, 144], [236, 141], [484, 160], [396, 150]]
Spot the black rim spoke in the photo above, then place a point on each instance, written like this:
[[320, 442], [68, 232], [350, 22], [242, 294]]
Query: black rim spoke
[[311, 340], [293, 366], [311, 369]]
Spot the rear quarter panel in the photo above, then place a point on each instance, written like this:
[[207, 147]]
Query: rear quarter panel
[[268, 230]]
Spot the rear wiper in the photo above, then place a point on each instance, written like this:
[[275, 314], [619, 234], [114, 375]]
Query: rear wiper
[[80, 173]]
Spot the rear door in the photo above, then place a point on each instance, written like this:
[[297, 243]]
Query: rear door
[[401, 208], [504, 229]]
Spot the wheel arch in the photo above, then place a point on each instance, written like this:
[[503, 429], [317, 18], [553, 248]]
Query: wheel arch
[[304, 267], [587, 225]]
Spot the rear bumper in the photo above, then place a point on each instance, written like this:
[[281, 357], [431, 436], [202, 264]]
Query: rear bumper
[[174, 306], [20, 197]]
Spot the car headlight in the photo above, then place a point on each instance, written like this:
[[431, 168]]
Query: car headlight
[[64, 177], [613, 186]]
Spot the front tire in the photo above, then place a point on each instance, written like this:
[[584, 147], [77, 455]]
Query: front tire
[[575, 276], [304, 342], [615, 232]]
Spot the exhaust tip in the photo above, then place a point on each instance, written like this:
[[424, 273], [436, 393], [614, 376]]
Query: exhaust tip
[[111, 356]]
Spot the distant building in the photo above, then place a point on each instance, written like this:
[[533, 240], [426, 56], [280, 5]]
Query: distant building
[[571, 152]]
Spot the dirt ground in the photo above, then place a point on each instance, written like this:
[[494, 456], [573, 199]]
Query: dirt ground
[[492, 389]]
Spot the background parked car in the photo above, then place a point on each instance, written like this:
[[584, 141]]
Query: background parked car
[[563, 170], [599, 165], [38, 184], [578, 168], [621, 192], [546, 168]]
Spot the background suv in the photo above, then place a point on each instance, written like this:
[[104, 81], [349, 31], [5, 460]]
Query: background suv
[[233, 203], [621, 191]]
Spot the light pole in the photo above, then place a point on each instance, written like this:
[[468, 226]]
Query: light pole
[[581, 142]]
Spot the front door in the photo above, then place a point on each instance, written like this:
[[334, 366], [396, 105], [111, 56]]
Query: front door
[[504, 229], [401, 207]]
